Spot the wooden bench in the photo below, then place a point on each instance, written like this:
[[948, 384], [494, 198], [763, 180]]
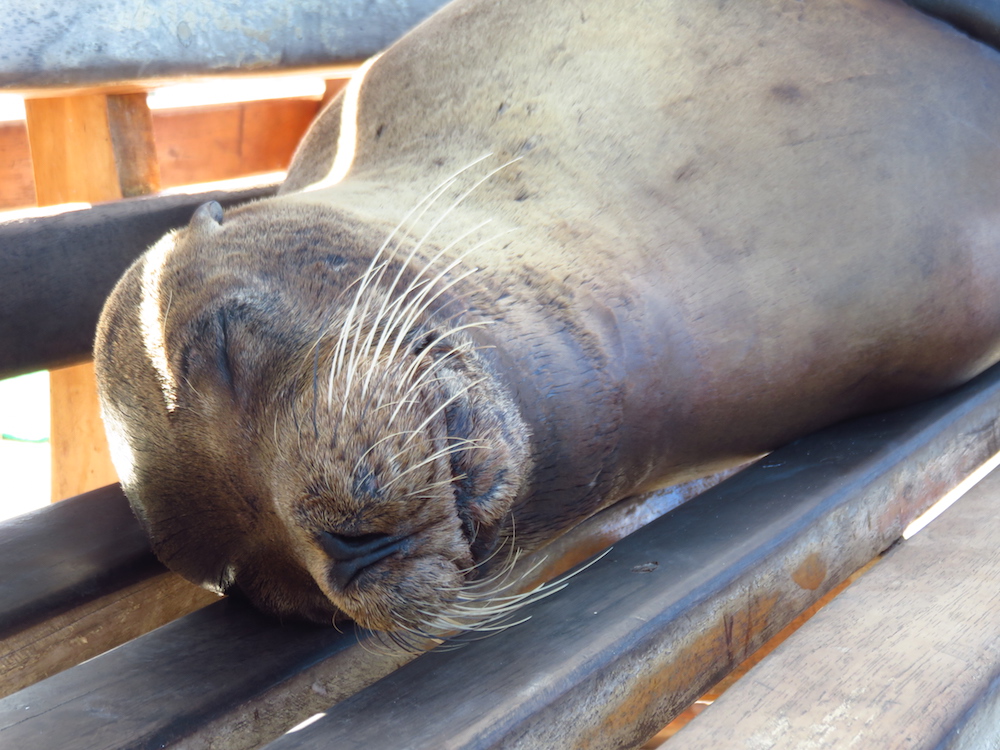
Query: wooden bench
[[101, 647]]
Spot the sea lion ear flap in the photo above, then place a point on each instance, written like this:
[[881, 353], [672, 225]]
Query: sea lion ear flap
[[207, 217]]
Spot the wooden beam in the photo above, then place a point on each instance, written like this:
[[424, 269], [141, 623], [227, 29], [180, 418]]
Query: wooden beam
[[71, 151], [55, 271], [17, 185], [73, 159], [191, 145], [225, 677], [130, 125], [713, 693], [218, 143], [79, 579], [907, 657], [81, 458]]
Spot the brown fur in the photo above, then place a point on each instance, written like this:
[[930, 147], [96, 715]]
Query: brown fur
[[264, 460], [714, 228]]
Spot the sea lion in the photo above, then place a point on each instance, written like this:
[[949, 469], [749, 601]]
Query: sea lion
[[542, 255]]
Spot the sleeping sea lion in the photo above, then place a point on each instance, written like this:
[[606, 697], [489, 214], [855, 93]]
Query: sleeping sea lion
[[540, 256]]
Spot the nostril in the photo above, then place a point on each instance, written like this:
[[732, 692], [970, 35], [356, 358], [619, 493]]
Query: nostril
[[352, 553], [350, 546]]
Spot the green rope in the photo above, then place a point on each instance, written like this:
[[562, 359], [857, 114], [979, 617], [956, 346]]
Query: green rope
[[16, 439]]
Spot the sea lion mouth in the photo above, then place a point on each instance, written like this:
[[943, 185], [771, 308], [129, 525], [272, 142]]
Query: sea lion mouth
[[482, 539]]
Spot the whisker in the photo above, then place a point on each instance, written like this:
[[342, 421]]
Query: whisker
[[422, 205], [377, 443], [433, 457], [444, 405], [408, 398], [391, 322], [458, 201], [416, 306], [441, 337]]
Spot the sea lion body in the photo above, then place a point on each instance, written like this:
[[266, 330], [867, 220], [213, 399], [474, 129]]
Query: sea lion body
[[580, 250]]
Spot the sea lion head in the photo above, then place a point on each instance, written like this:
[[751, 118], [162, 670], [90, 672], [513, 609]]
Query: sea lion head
[[298, 411]]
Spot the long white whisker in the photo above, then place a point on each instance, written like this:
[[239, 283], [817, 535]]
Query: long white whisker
[[409, 399], [420, 429], [423, 239], [438, 454], [444, 405], [490, 612], [417, 306], [406, 400], [421, 380], [458, 201], [410, 322], [376, 444], [421, 206], [390, 319], [430, 347]]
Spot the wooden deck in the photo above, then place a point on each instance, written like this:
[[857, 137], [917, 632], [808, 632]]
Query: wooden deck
[[604, 663]]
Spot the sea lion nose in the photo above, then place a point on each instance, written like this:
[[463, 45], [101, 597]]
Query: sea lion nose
[[352, 553]]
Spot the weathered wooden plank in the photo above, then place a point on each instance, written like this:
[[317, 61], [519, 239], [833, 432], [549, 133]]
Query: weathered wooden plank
[[49, 43], [220, 703], [17, 185], [192, 146], [712, 694], [645, 630], [78, 579], [908, 657], [218, 143], [55, 557], [96, 625], [71, 150], [146, 694], [55, 272], [92, 148], [81, 457], [130, 125], [73, 159]]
